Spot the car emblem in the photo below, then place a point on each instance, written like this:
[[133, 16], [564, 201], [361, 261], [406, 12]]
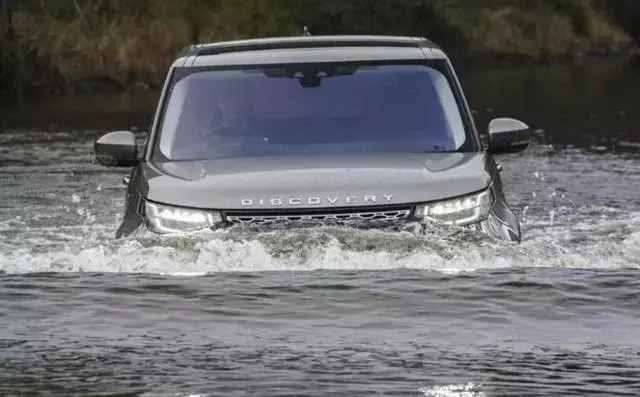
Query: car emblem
[[317, 200]]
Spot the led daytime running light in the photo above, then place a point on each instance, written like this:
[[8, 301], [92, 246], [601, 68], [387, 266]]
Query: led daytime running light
[[168, 219], [460, 211]]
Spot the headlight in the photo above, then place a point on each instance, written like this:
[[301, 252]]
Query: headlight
[[459, 211], [168, 219]]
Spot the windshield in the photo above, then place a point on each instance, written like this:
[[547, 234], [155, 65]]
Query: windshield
[[311, 109]]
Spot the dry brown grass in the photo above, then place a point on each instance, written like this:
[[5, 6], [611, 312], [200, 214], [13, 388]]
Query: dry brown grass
[[135, 41], [536, 31], [135, 47], [122, 50]]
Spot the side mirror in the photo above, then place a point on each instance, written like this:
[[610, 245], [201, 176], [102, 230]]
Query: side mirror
[[117, 149], [508, 136]]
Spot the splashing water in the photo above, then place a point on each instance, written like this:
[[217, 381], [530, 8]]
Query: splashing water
[[335, 309], [61, 211]]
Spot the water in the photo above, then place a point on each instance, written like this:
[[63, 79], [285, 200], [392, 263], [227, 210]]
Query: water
[[329, 311]]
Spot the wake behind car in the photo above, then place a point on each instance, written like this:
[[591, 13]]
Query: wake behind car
[[313, 130]]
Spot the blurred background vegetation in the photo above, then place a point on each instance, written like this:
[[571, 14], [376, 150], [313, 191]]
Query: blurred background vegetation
[[65, 46]]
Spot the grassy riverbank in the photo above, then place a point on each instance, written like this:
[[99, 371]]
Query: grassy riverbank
[[113, 45]]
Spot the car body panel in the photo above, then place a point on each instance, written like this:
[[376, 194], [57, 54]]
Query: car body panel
[[338, 180]]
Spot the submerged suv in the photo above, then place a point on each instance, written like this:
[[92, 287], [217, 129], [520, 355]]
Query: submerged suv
[[336, 129]]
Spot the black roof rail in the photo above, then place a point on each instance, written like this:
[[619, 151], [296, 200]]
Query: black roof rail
[[307, 42]]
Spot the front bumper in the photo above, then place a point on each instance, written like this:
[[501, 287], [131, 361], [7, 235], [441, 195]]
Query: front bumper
[[500, 224]]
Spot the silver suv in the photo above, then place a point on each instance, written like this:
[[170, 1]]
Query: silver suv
[[363, 130]]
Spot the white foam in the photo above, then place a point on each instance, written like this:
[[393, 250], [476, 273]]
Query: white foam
[[617, 245], [463, 390]]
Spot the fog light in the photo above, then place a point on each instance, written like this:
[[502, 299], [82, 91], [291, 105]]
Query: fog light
[[168, 219], [462, 211]]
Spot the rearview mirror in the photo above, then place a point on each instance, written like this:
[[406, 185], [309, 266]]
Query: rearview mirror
[[117, 149], [508, 136]]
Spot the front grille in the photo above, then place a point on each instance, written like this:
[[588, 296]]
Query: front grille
[[319, 216]]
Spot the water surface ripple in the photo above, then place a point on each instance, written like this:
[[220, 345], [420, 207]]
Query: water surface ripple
[[323, 311]]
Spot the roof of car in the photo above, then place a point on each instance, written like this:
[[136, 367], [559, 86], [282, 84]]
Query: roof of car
[[307, 42], [306, 49]]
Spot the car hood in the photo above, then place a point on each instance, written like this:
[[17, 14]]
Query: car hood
[[316, 181]]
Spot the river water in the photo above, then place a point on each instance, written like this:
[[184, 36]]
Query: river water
[[331, 311]]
